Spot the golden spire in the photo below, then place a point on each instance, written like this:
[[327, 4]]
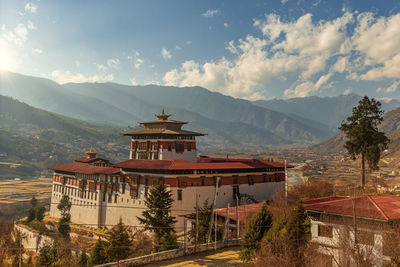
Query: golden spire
[[163, 116], [91, 153]]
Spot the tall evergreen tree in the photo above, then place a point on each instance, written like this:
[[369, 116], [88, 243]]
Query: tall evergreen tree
[[364, 138], [64, 207], [83, 258], [98, 254], [259, 224], [32, 210], [204, 214], [118, 242], [156, 218], [40, 213], [47, 255], [168, 241], [296, 227]]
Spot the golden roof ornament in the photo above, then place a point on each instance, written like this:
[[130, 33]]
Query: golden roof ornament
[[91, 153], [163, 116]]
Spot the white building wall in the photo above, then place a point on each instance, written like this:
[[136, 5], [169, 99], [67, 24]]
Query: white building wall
[[260, 191], [333, 246]]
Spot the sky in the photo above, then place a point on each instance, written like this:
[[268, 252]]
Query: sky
[[246, 49]]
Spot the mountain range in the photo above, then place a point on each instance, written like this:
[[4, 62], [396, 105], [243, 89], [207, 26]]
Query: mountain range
[[228, 122]]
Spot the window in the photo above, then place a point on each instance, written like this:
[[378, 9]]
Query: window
[[202, 180], [169, 146], [235, 179], [179, 147], [235, 191], [264, 176], [189, 147], [104, 197], [115, 198], [325, 230], [109, 198], [179, 194], [250, 179]]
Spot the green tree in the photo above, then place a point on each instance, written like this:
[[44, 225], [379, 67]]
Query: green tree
[[204, 214], [40, 213], [168, 241], [296, 228], [83, 258], [64, 207], [259, 224], [47, 255], [32, 210], [118, 242], [363, 136], [156, 218], [98, 254]]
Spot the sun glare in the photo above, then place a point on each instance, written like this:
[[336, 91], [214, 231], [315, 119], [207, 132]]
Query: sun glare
[[7, 60]]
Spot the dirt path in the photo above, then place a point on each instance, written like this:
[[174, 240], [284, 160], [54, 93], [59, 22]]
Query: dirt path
[[225, 257]]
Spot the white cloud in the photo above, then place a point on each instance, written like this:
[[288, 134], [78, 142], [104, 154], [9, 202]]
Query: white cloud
[[211, 13], [31, 26], [312, 50], [165, 53], [133, 81], [177, 47], [100, 67], [284, 1], [347, 91], [3, 27], [377, 39], [138, 63], [392, 88], [37, 51], [31, 7], [113, 63], [188, 42], [226, 25], [63, 77]]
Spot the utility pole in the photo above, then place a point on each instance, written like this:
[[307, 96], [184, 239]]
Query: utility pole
[[226, 226], [286, 181], [185, 235], [212, 209], [197, 224], [237, 217], [245, 217], [215, 231]]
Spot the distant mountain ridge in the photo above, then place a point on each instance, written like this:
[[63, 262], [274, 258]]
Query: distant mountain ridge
[[329, 111], [224, 118]]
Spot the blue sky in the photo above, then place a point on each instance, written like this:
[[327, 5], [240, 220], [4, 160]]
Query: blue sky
[[247, 49]]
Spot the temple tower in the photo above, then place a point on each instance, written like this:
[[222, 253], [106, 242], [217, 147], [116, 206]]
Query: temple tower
[[163, 139]]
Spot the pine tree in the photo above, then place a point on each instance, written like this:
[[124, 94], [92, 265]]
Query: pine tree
[[204, 214], [296, 228], [47, 255], [363, 136], [83, 258], [98, 254], [32, 210], [259, 224], [118, 242], [156, 218], [40, 213], [63, 226], [168, 241]]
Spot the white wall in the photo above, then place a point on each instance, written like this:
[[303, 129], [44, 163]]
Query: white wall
[[172, 155]]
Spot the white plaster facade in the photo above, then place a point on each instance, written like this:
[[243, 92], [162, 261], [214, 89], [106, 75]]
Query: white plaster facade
[[333, 246], [91, 210]]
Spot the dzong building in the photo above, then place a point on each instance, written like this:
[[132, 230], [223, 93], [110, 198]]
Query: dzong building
[[102, 192]]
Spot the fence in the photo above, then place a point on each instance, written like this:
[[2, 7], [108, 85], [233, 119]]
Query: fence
[[172, 254]]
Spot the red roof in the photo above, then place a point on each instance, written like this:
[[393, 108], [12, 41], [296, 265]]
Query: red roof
[[84, 168], [87, 159], [200, 165], [385, 207], [256, 163]]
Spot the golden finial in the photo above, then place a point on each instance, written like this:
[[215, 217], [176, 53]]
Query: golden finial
[[163, 116], [91, 153]]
